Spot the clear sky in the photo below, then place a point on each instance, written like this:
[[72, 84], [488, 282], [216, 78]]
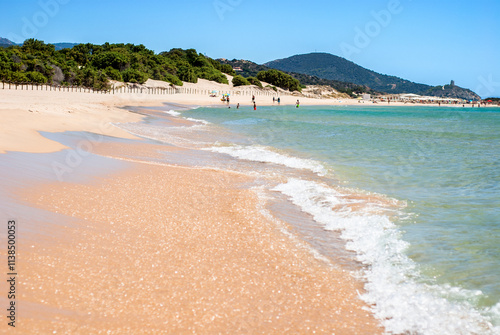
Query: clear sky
[[427, 41]]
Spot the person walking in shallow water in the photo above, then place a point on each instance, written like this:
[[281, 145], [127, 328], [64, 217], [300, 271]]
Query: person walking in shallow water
[[298, 104], [254, 106]]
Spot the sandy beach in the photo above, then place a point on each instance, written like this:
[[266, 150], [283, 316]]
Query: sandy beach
[[152, 248], [26, 112]]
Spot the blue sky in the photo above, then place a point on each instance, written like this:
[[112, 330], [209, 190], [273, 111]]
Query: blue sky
[[425, 41]]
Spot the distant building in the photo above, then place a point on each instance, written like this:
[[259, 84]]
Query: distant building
[[452, 83], [238, 69]]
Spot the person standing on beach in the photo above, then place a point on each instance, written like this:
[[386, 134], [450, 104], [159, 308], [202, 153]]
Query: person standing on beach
[[279, 100], [253, 98]]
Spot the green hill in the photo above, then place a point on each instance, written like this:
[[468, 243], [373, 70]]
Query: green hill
[[328, 66], [251, 69]]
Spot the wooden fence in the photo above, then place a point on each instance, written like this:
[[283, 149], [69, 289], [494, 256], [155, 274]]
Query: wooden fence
[[129, 89]]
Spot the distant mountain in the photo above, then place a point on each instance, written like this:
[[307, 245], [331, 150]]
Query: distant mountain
[[64, 45], [5, 43], [328, 66], [250, 69]]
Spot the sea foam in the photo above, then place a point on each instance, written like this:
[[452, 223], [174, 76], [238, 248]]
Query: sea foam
[[172, 112], [263, 154], [400, 298]]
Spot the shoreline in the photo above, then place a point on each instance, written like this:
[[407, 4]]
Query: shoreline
[[233, 271], [25, 113]]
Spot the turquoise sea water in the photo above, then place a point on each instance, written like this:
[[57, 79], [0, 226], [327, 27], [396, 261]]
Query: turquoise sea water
[[443, 163]]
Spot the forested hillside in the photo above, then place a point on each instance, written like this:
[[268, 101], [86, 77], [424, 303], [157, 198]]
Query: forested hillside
[[93, 65]]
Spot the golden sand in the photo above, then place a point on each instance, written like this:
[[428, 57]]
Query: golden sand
[[160, 249], [178, 250]]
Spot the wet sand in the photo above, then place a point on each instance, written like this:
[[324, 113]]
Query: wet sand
[[158, 249], [178, 250]]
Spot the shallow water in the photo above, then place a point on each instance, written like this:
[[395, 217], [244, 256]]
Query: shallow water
[[414, 192]]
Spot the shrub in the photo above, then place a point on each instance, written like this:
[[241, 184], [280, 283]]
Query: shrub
[[186, 73], [114, 59], [113, 73], [254, 81], [240, 81], [19, 77], [211, 73], [279, 79], [134, 76], [101, 81], [172, 79], [86, 76], [221, 78], [36, 77], [226, 68]]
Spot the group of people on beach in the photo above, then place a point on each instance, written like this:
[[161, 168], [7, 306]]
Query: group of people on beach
[[225, 98]]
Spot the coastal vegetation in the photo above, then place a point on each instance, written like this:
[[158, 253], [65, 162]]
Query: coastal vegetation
[[93, 65], [280, 79], [254, 81], [273, 77], [240, 81]]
